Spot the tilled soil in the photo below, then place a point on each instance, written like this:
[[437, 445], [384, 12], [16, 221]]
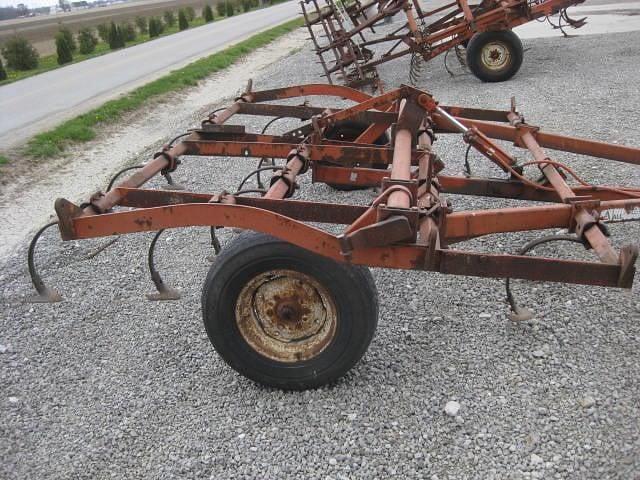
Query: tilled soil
[[109, 385]]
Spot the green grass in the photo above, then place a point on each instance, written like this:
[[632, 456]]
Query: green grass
[[3, 160], [81, 128]]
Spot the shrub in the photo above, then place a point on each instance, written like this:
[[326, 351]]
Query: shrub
[[183, 23], [207, 13], [169, 18], [190, 13], [128, 32], [20, 54], [63, 49], [221, 7], [69, 37], [246, 5], [116, 39], [103, 32], [87, 41], [155, 27], [3, 72], [141, 23], [230, 9]]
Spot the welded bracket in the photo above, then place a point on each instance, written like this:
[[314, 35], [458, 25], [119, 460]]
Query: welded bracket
[[410, 185], [66, 212], [581, 223], [628, 257], [385, 232]]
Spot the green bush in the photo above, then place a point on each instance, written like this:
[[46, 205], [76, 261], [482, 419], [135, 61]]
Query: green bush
[[246, 5], [156, 27], [103, 32], [141, 23], [116, 39], [20, 54], [69, 37], [230, 9], [183, 23], [3, 72], [169, 18], [207, 13], [129, 33], [221, 7], [63, 49], [190, 13], [86, 41]]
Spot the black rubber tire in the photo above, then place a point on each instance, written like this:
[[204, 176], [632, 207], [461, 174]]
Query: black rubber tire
[[348, 131], [352, 289], [474, 55]]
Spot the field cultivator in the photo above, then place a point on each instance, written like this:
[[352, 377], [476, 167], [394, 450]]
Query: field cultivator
[[289, 304], [344, 34]]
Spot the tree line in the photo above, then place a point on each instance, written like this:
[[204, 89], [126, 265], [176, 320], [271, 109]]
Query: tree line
[[20, 55]]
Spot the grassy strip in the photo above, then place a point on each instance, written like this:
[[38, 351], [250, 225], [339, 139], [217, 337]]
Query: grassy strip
[[80, 129]]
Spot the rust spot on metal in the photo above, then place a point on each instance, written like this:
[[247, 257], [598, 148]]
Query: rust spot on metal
[[143, 222], [286, 315]]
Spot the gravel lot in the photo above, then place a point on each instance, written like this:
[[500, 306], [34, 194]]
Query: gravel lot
[[108, 385]]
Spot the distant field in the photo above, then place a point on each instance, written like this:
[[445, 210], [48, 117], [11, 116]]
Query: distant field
[[41, 30]]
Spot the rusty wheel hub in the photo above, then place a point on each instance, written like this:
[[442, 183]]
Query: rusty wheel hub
[[286, 315], [495, 56]]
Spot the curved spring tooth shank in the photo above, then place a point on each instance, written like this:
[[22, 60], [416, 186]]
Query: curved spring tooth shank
[[45, 294]]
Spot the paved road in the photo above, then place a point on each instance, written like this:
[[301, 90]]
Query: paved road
[[43, 100], [603, 17]]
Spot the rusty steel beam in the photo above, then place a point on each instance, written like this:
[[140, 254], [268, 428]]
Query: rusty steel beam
[[517, 190], [530, 268], [320, 212], [553, 141], [466, 225], [343, 153], [322, 243]]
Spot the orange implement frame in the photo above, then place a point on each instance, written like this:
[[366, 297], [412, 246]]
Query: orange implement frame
[[344, 32], [410, 225]]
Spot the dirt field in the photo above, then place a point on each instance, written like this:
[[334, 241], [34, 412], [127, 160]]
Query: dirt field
[[41, 30]]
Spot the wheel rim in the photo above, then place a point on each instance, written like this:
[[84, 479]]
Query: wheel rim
[[286, 315], [496, 56]]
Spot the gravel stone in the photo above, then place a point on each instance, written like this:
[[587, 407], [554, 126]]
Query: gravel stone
[[452, 408], [587, 401]]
